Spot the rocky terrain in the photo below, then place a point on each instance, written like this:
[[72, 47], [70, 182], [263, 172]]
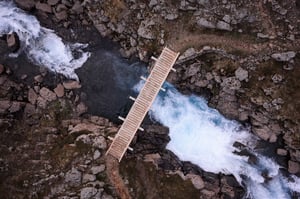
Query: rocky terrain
[[243, 56]]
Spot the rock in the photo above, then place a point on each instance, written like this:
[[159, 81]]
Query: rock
[[2, 69], [32, 96], [4, 105], [97, 154], [97, 169], [295, 155], [11, 40], [62, 15], [221, 25], [241, 74], [77, 7], [145, 29], [188, 53], [282, 152], [171, 16], [202, 83], [293, 167], [15, 107], [152, 3], [277, 78], [47, 94], [284, 57], [73, 177], [25, 4], [231, 83], [154, 158], [262, 36], [262, 132], [43, 7], [206, 24], [88, 193], [192, 70], [59, 90], [86, 127], [81, 108], [93, 140], [196, 180], [71, 85], [52, 2], [88, 178], [38, 78], [99, 142], [106, 196]]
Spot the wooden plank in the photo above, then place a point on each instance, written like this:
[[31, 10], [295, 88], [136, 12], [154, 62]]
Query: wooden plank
[[142, 103]]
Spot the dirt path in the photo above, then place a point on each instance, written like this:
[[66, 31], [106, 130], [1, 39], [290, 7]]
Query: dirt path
[[112, 169]]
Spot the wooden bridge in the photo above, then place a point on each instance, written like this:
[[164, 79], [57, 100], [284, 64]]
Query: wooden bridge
[[159, 73]]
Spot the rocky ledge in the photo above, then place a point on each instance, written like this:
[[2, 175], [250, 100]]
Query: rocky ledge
[[242, 56]]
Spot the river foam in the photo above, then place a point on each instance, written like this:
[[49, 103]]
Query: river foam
[[201, 135], [41, 45]]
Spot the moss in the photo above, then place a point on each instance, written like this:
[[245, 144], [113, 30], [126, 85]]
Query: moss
[[148, 182]]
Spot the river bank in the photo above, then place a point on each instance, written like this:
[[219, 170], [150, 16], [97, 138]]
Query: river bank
[[228, 76]]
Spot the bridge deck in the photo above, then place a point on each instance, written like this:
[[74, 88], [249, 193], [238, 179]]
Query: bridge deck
[[142, 103]]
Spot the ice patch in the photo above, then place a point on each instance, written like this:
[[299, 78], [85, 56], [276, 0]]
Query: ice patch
[[41, 45]]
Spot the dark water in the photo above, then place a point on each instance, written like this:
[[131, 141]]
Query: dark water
[[107, 78]]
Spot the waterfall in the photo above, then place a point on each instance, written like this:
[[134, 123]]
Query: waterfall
[[41, 45], [203, 136]]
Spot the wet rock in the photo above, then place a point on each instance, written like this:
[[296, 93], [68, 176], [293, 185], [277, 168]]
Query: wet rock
[[25, 4], [97, 169], [295, 155], [293, 167], [73, 177], [71, 85], [59, 90], [262, 132], [284, 57], [196, 180], [241, 74], [282, 152], [32, 96], [88, 178], [43, 7], [47, 94], [11, 40], [88, 193]]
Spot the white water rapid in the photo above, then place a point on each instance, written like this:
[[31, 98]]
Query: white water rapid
[[201, 135], [41, 45]]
